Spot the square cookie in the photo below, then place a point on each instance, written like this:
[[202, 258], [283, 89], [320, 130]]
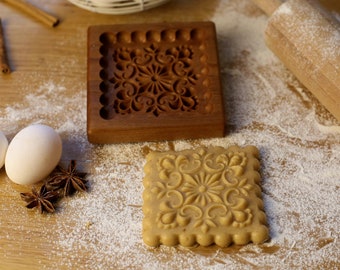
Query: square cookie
[[204, 196], [151, 82]]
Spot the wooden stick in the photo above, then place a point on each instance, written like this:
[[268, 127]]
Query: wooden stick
[[34, 12], [5, 69]]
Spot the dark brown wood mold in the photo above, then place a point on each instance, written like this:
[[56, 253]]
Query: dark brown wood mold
[[153, 82]]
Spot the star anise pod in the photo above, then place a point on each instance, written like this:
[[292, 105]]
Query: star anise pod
[[44, 199], [69, 180]]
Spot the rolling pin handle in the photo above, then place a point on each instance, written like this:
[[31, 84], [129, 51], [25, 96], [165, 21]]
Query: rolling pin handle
[[268, 6]]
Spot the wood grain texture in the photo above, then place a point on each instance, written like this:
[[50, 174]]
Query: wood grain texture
[[306, 39], [40, 55], [153, 82], [34, 11], [268, 6]]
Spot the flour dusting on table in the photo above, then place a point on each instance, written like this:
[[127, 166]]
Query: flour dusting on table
[[300, 155]]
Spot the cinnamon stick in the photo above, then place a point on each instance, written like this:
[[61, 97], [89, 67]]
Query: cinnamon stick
[[5, 69], [35, 12]]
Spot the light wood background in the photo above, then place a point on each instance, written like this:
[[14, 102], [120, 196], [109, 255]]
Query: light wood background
[[37, 49]]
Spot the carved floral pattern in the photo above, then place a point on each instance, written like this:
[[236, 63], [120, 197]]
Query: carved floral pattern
[[205, 189], [154, 80]]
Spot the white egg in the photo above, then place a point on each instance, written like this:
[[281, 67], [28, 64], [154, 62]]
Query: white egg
[[33, 154], [3, 148]]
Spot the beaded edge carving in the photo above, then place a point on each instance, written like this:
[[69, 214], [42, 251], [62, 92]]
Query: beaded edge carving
[[161, 76]]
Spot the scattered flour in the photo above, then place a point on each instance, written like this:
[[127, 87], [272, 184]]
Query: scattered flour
[[318, 34], [266, 107]]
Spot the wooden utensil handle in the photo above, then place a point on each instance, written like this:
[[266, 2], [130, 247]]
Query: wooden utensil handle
[[268, 6]]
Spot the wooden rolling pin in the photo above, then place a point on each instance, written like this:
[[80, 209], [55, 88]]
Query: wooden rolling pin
[[307, 40]]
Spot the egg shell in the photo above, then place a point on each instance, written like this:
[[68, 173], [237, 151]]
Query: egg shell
[[3, 148], [33, 154]]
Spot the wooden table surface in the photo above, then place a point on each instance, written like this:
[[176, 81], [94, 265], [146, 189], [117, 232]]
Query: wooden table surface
[[40, 55]]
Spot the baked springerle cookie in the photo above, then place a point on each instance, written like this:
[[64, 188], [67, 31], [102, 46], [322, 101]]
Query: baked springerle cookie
[[204, 196]]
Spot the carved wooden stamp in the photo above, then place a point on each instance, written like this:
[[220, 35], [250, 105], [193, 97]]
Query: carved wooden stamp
[[153, 82]]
